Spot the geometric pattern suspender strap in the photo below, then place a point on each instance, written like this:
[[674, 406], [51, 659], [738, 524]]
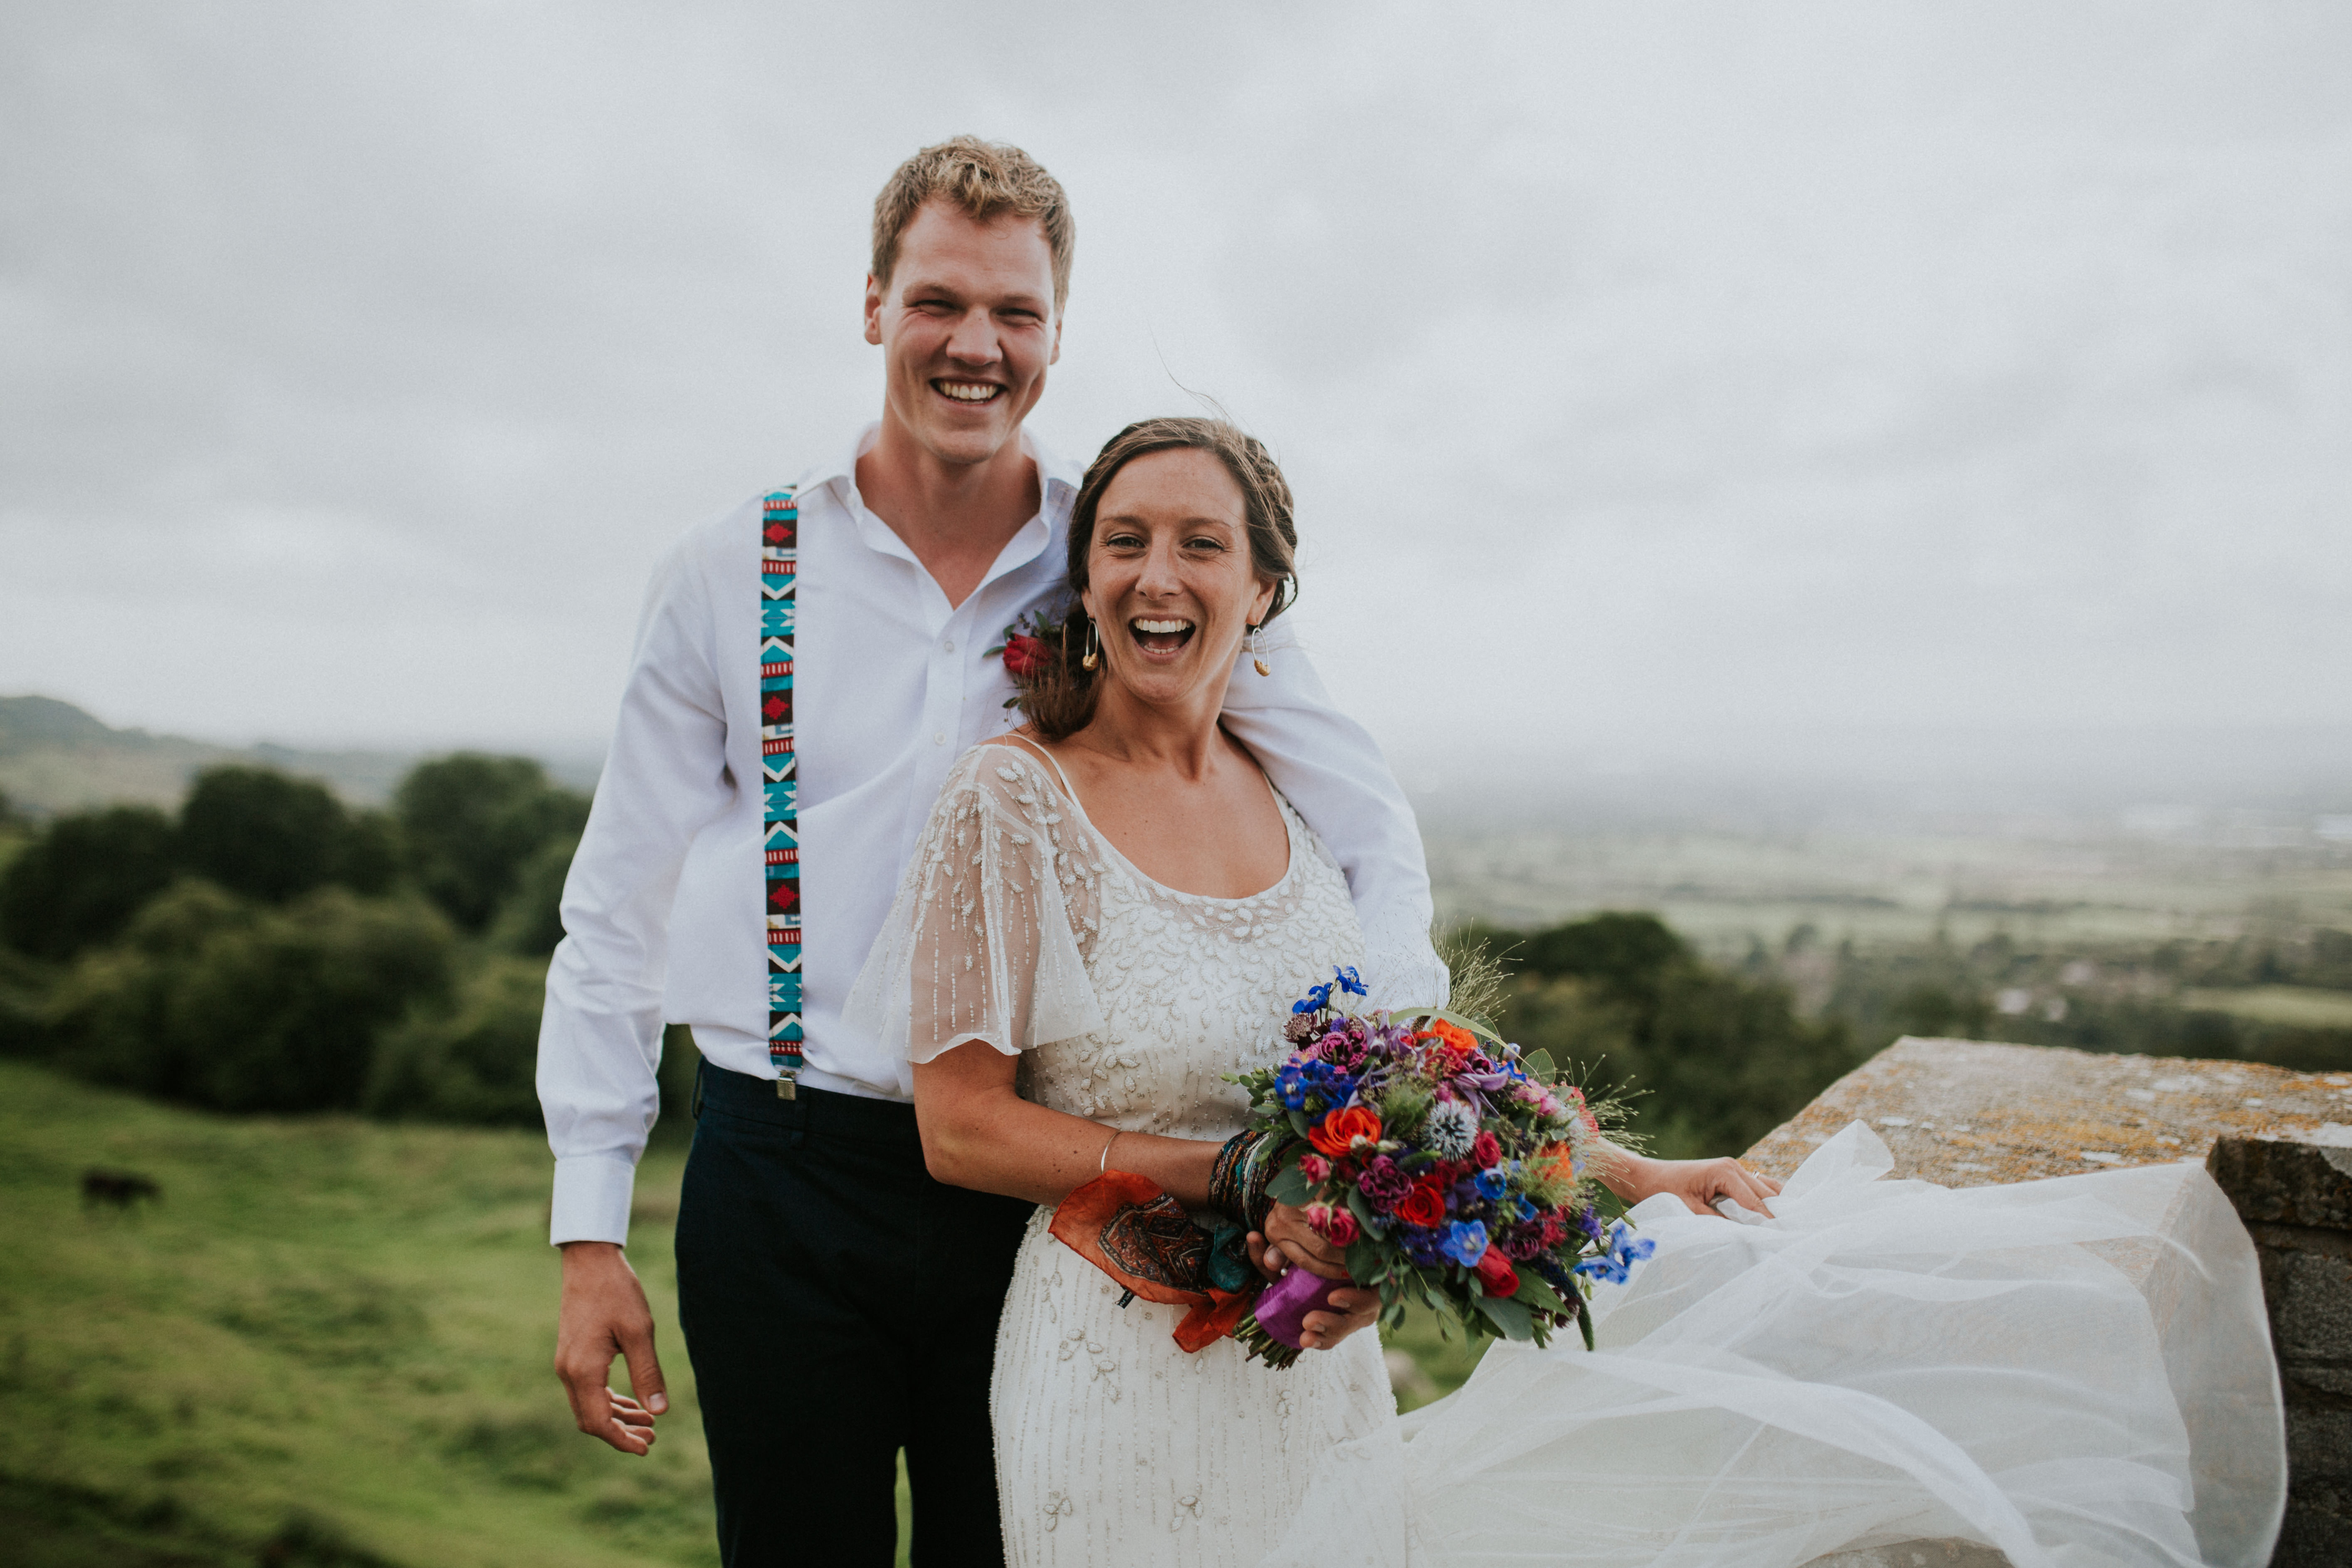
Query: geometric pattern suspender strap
[[780, 525]]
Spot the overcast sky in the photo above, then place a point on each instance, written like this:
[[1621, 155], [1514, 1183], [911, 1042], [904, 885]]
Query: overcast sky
[[1646, 375]]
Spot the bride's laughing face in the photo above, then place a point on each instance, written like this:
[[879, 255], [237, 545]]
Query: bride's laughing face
[[1170, 582]]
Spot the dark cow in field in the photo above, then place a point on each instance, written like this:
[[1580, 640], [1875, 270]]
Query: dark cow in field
[[120, 1188]]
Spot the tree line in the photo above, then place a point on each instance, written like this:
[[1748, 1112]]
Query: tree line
[[266, 948]]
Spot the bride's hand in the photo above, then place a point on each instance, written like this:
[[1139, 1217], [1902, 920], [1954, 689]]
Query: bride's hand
[[1290, 1242], [1700, 1183]]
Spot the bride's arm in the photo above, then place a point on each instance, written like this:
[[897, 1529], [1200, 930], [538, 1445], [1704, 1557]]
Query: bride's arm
[[1700, 1183], [978, 1133]]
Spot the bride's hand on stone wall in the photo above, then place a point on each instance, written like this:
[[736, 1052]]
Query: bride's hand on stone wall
[[1700, 1183], [1290, 1242]]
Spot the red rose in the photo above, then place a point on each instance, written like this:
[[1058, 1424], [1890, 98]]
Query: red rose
[[1023, 657], [1496, 1273], [1332, 1223], [1487, 1150], [1337, 1131], [1424, 1206], [1315, 1167]]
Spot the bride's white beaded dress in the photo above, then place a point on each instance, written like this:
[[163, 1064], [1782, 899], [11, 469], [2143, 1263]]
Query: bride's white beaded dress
[[1019, 924], [1881, 1361]]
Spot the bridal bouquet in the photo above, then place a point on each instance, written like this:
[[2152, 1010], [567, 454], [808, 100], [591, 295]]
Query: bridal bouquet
[[1449, 1168]]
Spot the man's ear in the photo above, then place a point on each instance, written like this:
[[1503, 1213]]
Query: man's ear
[[1055, 357], [874, 312]]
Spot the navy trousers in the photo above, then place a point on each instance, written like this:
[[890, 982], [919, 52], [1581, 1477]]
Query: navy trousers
[[839, 1305]]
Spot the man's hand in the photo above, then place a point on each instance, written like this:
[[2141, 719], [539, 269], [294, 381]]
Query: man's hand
[[605, 1315], [1700, 1183], [1290, 1242]]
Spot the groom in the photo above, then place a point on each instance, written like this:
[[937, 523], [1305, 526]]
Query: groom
[[841, 1305]]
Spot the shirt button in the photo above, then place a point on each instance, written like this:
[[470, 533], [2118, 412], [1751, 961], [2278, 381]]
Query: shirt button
[[940, 738], [948, 646]]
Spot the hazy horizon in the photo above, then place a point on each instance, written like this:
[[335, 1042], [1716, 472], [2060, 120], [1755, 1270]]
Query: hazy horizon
[[1714, 392]]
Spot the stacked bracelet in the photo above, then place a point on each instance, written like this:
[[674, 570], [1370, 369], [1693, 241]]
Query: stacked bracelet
[[1244, 1167]]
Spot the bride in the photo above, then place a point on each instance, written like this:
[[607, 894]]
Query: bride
[[1112, 908]]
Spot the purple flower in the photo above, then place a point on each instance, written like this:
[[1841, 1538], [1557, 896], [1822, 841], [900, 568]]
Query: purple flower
[[1522, 1241], [1382, 1183]]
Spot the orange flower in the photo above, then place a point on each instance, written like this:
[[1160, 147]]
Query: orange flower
[[1455, 1037], [1337, 1132], [1555, 1159]]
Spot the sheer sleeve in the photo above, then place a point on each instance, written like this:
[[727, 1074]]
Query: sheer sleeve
[[987, 938]]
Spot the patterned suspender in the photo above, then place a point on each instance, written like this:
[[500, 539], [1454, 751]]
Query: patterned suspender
[[779, 582]]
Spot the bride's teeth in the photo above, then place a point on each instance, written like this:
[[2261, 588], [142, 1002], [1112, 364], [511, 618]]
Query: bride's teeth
[[1157, 629]]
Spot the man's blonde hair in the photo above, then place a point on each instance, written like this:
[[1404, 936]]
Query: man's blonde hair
[[987, 180]]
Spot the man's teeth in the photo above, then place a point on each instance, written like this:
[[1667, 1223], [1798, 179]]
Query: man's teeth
[[1162, 628], [968, 391]]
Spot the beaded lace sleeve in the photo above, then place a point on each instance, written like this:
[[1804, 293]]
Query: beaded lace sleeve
[[987, 938]]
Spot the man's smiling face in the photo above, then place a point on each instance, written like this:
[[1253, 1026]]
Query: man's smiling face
[[967, 327]]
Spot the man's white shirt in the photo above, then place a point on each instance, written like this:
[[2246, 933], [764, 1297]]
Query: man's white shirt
[[663, 911]]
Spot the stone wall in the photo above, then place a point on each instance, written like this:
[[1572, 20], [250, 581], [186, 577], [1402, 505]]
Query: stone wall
[[1970, 1113]]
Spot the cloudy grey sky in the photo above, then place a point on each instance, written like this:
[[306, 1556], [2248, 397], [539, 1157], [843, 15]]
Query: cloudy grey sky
[[1651, 377]]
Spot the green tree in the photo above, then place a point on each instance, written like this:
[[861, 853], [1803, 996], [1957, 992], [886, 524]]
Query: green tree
[[471, 823], [1715, 1059], [238, 1006], [530, 921], [260, 832], [474, 1062], [79, 883]]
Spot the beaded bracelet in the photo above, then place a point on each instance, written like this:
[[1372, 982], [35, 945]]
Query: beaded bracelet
[[1244, 1167]]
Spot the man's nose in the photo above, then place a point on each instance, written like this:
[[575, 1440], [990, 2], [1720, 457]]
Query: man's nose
[[974, 340]]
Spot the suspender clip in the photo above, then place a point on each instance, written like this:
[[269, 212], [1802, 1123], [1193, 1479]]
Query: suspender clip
[[785, 1088]]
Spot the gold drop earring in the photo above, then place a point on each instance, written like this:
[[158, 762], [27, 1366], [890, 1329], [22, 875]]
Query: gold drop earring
[[1093, 655], [1257, 654]]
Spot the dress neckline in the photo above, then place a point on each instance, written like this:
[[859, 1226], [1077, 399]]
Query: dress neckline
[[1281, 806]]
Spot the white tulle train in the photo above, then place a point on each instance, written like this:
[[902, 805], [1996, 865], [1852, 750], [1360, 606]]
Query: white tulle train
[[2075, 1371]]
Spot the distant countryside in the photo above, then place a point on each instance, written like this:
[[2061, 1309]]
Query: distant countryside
[[274, 1192]]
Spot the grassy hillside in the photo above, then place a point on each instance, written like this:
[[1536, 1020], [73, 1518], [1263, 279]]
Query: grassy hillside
[[328, 1344], [327, 1347]]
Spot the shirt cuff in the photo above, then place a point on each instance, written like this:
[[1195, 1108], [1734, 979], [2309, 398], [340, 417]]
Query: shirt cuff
[[591, 1199]]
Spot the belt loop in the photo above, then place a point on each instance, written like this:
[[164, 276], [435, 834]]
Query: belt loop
[[701, 1066]]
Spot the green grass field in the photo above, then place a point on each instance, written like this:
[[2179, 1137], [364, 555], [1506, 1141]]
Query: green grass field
[[327, 1347]]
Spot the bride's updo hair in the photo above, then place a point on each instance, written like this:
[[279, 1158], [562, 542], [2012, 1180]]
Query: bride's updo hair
[[1061, 699]]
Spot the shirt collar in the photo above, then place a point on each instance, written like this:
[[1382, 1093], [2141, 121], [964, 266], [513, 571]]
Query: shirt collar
[[1057, 490]]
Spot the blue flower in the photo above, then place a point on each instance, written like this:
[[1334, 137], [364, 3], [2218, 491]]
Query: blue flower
[[1620, 1253], [1318, 997], [1422, 1246], [1290, 1083], [1349, 981], [1492, 1184], [1466, 1242]]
